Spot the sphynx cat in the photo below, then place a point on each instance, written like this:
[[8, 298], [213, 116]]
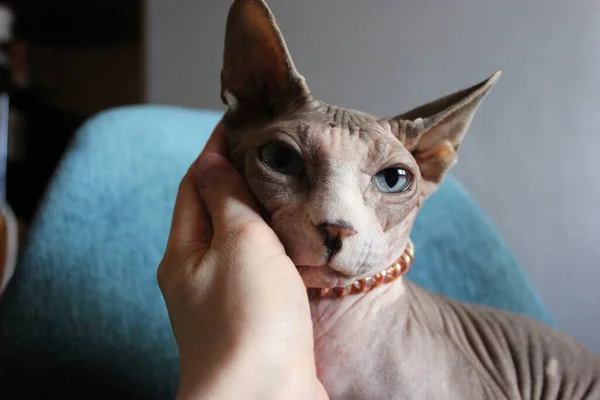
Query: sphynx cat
[[341, 188]]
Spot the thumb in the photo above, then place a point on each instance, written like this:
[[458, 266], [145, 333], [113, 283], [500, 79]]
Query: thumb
[[225, 194]]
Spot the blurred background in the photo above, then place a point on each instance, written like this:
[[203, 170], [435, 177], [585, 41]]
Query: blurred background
[[530, 158], [67, 60]]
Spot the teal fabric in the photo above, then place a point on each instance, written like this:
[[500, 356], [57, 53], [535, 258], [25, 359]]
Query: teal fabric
[[84, 317]]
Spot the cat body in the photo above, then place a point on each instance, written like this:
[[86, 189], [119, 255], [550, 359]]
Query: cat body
[[342, 188], [408, 343]]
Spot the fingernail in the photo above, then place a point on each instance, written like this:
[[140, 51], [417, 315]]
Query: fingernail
[[210, 168]]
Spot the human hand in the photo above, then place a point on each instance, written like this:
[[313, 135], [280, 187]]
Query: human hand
[[238, 307]]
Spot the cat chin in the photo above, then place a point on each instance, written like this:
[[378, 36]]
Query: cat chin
[[323, 276]]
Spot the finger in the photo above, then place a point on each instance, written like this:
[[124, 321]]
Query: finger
[[191, 223], [217, 143], [225, 193]]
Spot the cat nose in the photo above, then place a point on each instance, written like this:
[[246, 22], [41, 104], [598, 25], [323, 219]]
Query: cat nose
[[339, 230]]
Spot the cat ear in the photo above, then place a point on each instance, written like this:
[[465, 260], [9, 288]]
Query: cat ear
[[433, 132], [258, 78]]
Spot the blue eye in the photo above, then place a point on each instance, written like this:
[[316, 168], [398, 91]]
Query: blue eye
[[282, 159], [392, 180]]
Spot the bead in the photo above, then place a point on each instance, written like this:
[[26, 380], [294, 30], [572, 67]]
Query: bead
[[366, 284], [406, 259], [395, 270], [378, 279], [387, 275], [389, 272], [341, 291], [346, 289]]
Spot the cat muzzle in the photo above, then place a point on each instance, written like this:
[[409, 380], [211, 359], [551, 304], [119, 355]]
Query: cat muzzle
[[333, 237]]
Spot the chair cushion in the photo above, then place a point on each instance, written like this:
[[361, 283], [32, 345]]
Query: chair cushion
[[84, 318]]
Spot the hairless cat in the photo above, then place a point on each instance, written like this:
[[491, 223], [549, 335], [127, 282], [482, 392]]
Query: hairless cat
[[341, 188]]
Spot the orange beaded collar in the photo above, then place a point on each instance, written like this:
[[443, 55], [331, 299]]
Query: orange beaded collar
[[363, 285]]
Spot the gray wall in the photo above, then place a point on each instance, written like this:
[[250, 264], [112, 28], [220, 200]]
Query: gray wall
[[531, 158]]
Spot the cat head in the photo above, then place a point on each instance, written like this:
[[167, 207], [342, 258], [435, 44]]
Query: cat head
[[341, 188]]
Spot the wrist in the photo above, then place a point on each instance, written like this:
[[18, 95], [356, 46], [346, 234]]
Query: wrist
[[249, 373]]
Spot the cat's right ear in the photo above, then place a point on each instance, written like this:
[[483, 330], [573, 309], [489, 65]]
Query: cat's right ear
[[434, 131], [258, 79]]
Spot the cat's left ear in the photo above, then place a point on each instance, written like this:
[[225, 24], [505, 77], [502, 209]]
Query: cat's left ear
[[433, 132], [258, 78]]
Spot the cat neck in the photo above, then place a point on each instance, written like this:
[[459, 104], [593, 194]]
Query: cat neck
[[327, 312]]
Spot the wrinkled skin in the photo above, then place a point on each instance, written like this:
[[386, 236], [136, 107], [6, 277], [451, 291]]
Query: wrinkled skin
[[402, 342], [335, 189], [322, 198]]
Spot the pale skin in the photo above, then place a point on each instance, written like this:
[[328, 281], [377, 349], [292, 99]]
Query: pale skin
[[316, 171]]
